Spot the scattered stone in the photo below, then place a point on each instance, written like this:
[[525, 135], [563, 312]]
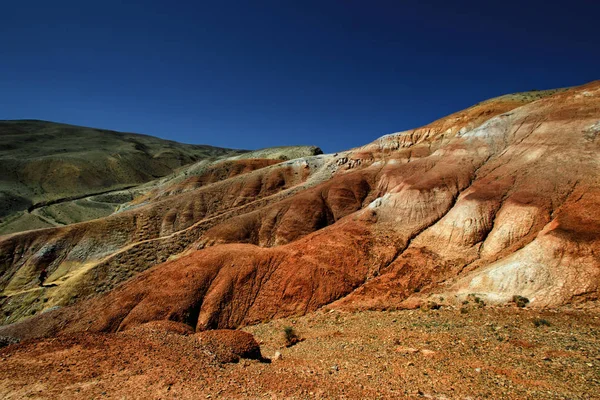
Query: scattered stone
[[406, 350], [7, 340]]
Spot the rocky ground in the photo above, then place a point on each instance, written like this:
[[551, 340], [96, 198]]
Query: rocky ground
[[474, 352]]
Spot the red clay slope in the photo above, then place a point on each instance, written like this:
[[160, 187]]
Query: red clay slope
[[496, 203]]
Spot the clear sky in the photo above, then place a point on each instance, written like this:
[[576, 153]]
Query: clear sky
[[258, 73]]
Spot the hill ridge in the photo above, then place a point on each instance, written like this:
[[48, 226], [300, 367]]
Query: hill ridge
[[438, 212]]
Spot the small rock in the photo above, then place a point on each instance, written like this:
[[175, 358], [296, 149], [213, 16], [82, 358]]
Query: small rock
[[335, 367], [229, 345], [406, 350], [477, 370], [277, 356], [426, 352]]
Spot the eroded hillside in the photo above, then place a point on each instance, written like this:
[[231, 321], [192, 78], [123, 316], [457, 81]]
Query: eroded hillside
[[497, 200]]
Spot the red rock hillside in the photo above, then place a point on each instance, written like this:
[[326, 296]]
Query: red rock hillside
[[497, 200]]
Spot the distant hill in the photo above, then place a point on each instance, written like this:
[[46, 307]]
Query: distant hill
[[45, 162]]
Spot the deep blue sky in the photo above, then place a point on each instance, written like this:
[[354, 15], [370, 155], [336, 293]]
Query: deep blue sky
[[250, 74]]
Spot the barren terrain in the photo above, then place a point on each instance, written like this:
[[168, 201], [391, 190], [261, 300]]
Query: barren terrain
[[455, 260], [486, 352]]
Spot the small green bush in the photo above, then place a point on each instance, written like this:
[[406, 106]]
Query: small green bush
[[520, 301], [479, 302], [540, 322], [430, 305], [290, 336]]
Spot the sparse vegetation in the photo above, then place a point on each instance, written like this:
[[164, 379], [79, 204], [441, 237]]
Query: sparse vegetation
[[476, 299], [430, 305], [520, 301], [290, 336], [7, 340], [540, 322]]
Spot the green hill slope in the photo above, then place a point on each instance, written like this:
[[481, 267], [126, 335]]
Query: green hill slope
[[44, 163]]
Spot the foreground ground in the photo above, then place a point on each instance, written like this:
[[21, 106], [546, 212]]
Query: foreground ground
[[448, 353]]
